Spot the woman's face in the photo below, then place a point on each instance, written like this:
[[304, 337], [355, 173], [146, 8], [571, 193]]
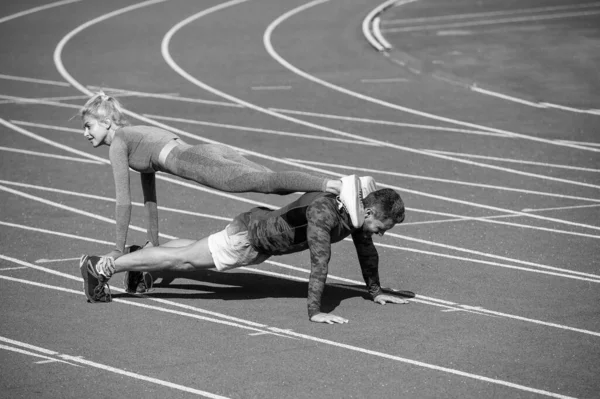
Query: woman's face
[[95, 130]]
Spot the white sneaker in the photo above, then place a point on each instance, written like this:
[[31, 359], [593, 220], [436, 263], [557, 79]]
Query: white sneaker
[[350, 196], [367, 185]]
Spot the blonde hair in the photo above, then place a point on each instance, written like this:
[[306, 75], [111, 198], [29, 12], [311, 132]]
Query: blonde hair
[[101, 106]]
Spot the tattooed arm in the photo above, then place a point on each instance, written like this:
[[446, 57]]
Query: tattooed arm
[[321, 218], [369, 261]]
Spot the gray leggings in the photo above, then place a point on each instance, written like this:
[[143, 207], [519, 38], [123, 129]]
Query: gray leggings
[[223, 168]]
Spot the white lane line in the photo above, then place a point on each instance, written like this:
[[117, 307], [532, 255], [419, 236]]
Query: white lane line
[[100, 198], [11, 268], [458, 182], [559, 208], [39, 102], [80, 360], [55, 260], [193, 186], [28, 353], [377, 33], [511, 160], [223, 318], [384, 80], [284, 332], [58, 99], [44, 126], [54, 232], [490, 14], [388, 123], [171, 62], [258, 88], [75, 210], [419, 298], [36, 9], [595, 277], [258, 130], [51, 203], [46, 155], [34, 80], [292, 68], [96, 157], [424, 365], [458, 25], [581, 143], [165, 96]]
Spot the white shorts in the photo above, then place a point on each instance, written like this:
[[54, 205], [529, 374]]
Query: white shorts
[[231, 251]]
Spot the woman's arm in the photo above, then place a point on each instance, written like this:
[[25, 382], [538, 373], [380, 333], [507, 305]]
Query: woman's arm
[[149, 189], [120, 163]]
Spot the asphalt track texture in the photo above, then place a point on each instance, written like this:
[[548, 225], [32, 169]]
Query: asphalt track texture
[[500, 242]]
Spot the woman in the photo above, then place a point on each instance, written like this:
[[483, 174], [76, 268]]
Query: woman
[[148, 149]]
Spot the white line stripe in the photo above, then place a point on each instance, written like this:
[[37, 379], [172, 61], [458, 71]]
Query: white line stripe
[[271, 88], [404, 237], [384, 80], [288, 332], [44, 126], [459, 182], [193, 186], [224, 319], [422, 364], [97, 197], [505, 96], [171, 97], [504, 258], [24, 352], [278, 58], [77, 359], [459, 25], [33, 80], [258, 130], [11, 268], [560, 208], [519, 161], [40, 102], [388, 123], [53, 260], [75, 210], [490, 14], [36, 9], [377, 34], [171, 62], [359, 283], [53, 232], [47, 155]]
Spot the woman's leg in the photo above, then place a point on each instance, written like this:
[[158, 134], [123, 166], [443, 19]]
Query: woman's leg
[[223, 168]]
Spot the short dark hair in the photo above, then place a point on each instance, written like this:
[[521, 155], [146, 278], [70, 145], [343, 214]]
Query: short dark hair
[[386, 204]]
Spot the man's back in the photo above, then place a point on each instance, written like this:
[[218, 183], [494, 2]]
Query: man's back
[[284, 231]]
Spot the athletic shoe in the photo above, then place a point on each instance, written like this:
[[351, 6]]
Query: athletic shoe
[[137, 282], [367, 185], [350, 196], [94, 284]]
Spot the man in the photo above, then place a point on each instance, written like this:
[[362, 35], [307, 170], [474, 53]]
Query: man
[[314, 222]]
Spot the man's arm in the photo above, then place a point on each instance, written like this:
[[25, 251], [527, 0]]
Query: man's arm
[[321, 217], [369, 265], [149, 190], [369, 261]]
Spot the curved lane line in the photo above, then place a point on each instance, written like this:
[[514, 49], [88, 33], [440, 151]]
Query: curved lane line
[[183, 73], [283, 62], [36, 9]]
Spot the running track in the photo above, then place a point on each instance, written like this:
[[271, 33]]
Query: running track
[[497, 162]]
